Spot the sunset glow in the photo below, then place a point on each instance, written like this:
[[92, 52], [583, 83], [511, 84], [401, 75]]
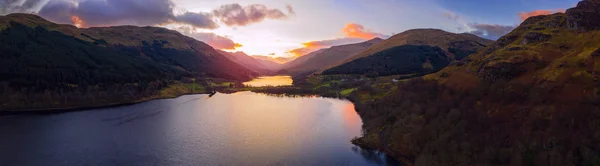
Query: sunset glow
[[290, 28], [77, 22]]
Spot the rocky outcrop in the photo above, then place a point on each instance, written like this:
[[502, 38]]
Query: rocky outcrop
[[535, 37], [584, 17]]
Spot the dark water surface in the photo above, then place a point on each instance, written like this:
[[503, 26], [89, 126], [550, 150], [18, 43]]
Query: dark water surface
[[227, 129]]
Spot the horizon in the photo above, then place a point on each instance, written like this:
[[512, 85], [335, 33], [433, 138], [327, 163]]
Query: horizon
[[287, 29]]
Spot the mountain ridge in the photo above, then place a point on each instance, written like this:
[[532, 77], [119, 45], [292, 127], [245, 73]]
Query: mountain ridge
[[376, 60], [99, 66], [324, 58], [527, 99]]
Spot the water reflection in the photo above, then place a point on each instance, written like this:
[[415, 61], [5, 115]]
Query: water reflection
[[270, 81], [227, 129]]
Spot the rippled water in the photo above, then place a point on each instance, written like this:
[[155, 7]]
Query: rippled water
[[270, 81], [227, 129]]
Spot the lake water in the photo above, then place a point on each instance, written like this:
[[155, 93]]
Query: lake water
[[270, 81], [243, 128]]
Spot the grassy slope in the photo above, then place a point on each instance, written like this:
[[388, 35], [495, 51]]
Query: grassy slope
[[529, 99], [48, 66], [431, 37], [397, 54]]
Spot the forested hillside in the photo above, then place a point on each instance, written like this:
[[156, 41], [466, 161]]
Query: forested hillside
[[531, 98], [403, 54], [320, 60], [399, 60], [46, 65]]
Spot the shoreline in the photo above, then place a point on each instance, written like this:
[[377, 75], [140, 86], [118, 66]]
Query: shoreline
[[90, 108], [360, 144]]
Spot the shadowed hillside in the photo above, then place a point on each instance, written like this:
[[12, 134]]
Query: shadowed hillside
[[322, 59], [531, 98], [405, 59], [397, 55], [61, 66]]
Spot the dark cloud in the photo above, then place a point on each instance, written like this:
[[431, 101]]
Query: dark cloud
[[140, 12], [200, 20], [490, 31], [237, 15], [122, 12], [110, 12], [19, 6]]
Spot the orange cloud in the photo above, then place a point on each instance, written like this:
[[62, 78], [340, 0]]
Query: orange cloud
[[358, 31], [78, 22], [301, 51], [525, 15], [354, 33]]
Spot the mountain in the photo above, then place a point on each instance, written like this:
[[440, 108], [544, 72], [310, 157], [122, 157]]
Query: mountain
[[264, 67], [280, 60], [407, 59], [457, 45], [324, 58], [41, 61], [401, 54], [531, 98]]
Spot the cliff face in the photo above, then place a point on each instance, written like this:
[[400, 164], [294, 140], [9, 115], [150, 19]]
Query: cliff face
[[531, 98]]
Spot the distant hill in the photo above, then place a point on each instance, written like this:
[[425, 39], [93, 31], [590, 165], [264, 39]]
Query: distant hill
[[263, 67], [406, 59], [41, 59], [458, 45], [280, 60], [400, 53], [531, 98], [325, 58]]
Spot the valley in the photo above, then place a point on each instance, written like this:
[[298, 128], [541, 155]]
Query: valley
[[418, 97]]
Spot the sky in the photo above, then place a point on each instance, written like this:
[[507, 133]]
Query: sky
[[291, 28]]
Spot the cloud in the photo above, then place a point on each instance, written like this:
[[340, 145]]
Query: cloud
[[316, 45], [301, 51], [122, 12], [353, 30], [290, 10], [354, 33], [237, 15], [140, 12], [199, 20], [490, 31], [525, 15], [19, 6], [451, 15], [110, 12], [216, 41]]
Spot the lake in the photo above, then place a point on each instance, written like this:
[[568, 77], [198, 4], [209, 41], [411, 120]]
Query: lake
[[270, 81], [243, 128]]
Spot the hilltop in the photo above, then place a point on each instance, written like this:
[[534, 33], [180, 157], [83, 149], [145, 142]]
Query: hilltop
[[64, 66], [531, 98], [322, 59], [413, 52]]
